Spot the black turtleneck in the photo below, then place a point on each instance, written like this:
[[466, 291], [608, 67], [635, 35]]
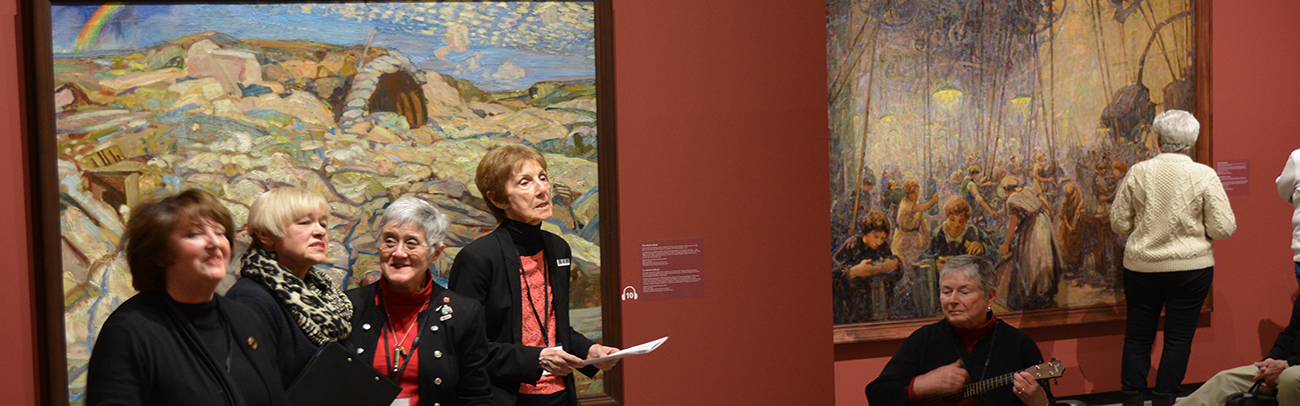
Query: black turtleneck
[[207, 321], [527, 238]]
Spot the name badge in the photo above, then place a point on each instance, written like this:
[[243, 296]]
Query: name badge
[[562, 262]]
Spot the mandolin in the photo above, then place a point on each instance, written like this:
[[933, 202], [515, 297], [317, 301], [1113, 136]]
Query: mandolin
[[970, 393]]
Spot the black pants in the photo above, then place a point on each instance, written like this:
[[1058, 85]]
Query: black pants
[[1181, 294]]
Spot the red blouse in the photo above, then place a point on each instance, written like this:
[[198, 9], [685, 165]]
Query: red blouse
[[537, 300]]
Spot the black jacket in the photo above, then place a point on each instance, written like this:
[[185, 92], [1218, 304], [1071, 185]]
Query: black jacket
[[938, 344], [455, 378], [148, 353], [1287, 345], [293, 348], [487, 270]]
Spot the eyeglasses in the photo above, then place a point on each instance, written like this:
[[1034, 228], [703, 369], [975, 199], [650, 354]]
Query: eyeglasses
[[390, 244]]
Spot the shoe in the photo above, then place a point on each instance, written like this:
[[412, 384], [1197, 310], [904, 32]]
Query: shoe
[[1132, 398], [1163, 399]]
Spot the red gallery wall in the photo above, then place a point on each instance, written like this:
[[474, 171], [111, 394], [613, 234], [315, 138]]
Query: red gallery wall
[[722, 137]]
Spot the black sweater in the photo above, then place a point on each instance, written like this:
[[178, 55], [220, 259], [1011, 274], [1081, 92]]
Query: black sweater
[[149, 353], [938, 344]]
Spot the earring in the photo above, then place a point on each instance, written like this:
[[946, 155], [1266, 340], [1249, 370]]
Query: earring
[[989, 308]]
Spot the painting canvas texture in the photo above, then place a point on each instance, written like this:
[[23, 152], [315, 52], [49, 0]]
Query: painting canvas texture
[[361, 103], [993, 128]]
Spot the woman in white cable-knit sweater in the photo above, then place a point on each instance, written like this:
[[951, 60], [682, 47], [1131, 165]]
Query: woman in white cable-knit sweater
[[1288, 187], [1171, 207]]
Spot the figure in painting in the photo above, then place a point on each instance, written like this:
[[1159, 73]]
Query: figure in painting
[[1029, 256], [1068, 238], [970, 190], [866, 272], [913, 227], [956, 236]]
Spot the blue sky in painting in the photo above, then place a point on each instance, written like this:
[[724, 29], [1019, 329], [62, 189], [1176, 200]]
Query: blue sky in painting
[[494, 45]]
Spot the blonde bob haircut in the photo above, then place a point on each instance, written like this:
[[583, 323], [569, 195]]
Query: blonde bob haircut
[[274, 210], [496, 169]]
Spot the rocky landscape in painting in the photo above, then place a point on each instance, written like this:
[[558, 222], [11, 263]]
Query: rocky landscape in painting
[[358, 125]]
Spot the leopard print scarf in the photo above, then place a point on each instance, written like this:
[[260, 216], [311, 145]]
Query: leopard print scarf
[[321, 309]]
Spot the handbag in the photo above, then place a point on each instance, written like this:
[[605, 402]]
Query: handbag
[[1250, 397]]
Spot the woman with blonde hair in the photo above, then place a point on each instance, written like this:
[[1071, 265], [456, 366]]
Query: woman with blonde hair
[[279, 280]]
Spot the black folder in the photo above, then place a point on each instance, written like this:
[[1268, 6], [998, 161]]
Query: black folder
[[335, 377]]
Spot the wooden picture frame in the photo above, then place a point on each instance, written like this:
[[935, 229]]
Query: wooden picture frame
[[58, 147], [891, 62]]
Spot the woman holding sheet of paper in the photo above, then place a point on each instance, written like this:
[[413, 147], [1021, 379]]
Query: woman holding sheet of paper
[[521, 276]]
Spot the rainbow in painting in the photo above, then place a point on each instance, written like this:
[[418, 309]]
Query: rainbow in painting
[[90, 32]]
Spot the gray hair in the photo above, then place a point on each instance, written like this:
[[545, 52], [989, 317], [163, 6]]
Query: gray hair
[[1177, 129], [413, 210], [976, 268]]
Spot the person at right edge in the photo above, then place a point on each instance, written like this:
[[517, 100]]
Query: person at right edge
[[1277, 371], [1171, 208], [520, 274], [1288, 187]]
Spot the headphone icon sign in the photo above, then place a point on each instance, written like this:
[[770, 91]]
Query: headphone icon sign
[[629, 293]]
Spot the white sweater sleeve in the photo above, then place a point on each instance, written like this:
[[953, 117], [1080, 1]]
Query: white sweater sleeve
[[1220, 222], [1121, 210], [1288, 187]]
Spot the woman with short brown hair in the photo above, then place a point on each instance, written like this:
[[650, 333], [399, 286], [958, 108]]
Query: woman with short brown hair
[[177, 342], [520, 274]]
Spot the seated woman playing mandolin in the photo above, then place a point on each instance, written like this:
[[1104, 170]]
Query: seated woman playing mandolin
[[969, 354]]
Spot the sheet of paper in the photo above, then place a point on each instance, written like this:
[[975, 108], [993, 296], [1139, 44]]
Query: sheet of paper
[[626, 352]]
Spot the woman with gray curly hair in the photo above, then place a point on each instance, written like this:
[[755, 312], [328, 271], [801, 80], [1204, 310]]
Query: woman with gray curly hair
[[405, 325], [1171, 208], [937, 361]]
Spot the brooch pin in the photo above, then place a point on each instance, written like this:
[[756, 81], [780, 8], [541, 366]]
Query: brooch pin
[[446, 312]]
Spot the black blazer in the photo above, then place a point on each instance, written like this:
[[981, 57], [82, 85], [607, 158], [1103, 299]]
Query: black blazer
[[458, 377], [487, 270], [148, 353], [294, 350]]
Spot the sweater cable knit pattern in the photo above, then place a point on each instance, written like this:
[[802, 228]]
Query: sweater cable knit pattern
[[1288, 188], [1172, 208]]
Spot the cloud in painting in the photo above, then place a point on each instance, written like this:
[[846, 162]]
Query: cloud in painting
[[509, 71]]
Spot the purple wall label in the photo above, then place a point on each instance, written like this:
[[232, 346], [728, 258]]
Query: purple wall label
[[672, 269], [1234, 175]]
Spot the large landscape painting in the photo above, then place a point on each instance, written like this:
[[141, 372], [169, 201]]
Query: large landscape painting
[[359, 102], [993, 128]]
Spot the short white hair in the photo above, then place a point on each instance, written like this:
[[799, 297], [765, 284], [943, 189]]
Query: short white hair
[[413, 210], [1177, 129]]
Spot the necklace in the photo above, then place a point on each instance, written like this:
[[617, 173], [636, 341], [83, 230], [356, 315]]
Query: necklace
[[398, 348]]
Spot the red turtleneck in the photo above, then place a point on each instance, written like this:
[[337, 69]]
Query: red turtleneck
[[403, 313]]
